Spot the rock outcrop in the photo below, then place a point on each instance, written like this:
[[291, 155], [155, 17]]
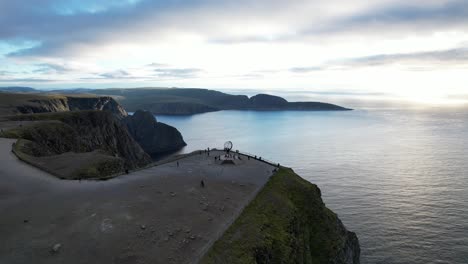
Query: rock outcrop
[[97, 133], [186, 101], [31, 103], [73, 104], [287, 222], [154, 137]]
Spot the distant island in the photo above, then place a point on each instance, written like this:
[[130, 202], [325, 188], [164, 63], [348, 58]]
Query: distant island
[[188, 101]]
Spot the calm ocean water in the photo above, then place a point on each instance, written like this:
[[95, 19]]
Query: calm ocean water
[[398, 178]]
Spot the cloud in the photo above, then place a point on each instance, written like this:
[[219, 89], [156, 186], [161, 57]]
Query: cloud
[[414, 61], [449, 56], [306, 69], [63, 28], [442, 14], [118, 74], [26, 80], [48, 68], [157, 65], [177, 72]]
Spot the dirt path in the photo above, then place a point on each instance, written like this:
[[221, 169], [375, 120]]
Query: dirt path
[[157, 215]]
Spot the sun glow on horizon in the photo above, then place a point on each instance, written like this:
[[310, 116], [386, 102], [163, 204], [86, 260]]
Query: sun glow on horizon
[[388, 49]]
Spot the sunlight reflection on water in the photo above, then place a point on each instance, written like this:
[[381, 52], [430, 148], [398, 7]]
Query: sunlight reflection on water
[[398, 178]]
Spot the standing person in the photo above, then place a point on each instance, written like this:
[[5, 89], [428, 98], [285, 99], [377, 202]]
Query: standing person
[[177, 164]]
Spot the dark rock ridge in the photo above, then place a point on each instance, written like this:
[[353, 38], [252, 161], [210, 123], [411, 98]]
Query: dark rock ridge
[[68, 103], [154, 137], [187, 101], [179, 108], [287, 222], [82, 131], [193, 101]]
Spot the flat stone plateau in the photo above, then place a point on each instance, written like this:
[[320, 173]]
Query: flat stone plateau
[[157, 215]]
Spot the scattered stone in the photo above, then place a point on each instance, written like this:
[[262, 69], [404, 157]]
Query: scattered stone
[[26, 221], [222, 208], [56, 248], [173, 194], [192, 237], [188, 230], [106, 225], [143, 227]]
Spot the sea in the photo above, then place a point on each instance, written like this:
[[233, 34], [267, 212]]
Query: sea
[[396, 176]]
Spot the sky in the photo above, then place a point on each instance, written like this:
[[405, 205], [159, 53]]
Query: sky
[[410, 50]]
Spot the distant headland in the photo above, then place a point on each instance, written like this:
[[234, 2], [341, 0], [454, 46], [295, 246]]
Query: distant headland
[[189, 101]]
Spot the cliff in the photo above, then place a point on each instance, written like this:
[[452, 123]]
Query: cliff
[[13, 103], [154, 137], [81, 144], [183, 101], [287, 222]]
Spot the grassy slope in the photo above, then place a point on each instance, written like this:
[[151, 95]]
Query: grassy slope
[[55, 146], [286, 223], [10, 101], [71, 165]]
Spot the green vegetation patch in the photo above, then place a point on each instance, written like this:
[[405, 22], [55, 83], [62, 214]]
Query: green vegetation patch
[[286, 223], [101, 169], [69, 145]]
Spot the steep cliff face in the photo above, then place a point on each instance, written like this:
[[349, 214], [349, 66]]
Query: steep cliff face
[[286, 223], [184, 101], [80, 132], [31, 103], [104, 103], [154, 137]]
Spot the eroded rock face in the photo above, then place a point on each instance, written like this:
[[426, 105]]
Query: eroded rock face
[[154, 137], [67, 103], [83, 131], [105, 103], [287, 222]]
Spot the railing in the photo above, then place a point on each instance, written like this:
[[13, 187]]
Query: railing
[[257, 158]]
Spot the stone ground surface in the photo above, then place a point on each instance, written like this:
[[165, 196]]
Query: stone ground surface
[[156, 215]]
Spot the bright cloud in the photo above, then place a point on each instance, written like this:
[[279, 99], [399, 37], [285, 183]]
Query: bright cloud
[[401, 48]]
